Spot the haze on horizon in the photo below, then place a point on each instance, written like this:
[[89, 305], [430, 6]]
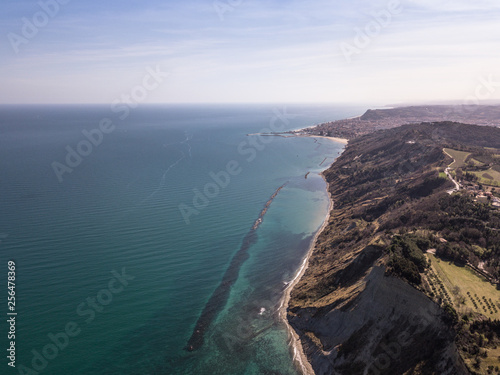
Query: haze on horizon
[[239, 51]]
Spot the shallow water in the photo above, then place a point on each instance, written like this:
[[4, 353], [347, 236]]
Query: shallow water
[[119, 209]]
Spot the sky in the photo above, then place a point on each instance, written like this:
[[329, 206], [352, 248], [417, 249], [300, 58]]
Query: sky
[[249, 51]]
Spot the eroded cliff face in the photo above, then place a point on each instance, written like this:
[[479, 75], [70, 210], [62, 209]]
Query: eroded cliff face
[[385, 326], [352, 317]]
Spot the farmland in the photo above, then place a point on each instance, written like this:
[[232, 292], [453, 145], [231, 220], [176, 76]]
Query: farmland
[[459, 156], [488, 177], [482, 165], [463, 288]]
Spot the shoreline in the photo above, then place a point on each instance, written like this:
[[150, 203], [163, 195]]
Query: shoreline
[[293, 135], [353, 117], [335, 139], [299, 356]]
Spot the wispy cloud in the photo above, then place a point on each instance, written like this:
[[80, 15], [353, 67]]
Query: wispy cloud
[[274, 50], [455, 5]]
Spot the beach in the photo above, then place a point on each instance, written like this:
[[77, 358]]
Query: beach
[[335, 139], [300, 133], [298, 352], [299, 356], [296, 133]]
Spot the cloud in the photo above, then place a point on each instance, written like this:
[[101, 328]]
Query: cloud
[[455, 5], [274, 51]]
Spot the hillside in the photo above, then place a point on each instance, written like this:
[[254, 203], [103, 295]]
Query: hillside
[[377, 119], [371, 300]]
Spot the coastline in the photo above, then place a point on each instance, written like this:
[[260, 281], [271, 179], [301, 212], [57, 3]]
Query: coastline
[[298, 133], [299, 356], [354, 117], [295, 134], [346, 288], [335, 139]]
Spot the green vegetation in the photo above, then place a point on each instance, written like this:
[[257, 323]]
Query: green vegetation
[[475, 162], [459, 156], [391, 207], [465, 289], [406, 257], [480, 165], [479, 342], [488, 177], [470, 231]]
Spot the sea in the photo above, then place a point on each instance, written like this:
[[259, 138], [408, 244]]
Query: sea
[[131, 231]]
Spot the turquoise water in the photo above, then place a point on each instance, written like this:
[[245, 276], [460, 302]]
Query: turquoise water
[[117, 212]]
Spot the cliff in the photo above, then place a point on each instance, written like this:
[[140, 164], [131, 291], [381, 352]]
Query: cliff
[[361, 307]]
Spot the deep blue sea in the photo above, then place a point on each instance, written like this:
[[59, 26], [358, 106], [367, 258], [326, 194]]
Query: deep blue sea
[[121, 230]]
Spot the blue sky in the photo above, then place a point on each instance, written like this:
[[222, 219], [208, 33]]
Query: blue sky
[[250, 51]]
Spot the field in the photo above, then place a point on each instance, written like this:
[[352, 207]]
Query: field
[[476, 162], [492, 359], [459, 156], [489, 177], [466, 290]]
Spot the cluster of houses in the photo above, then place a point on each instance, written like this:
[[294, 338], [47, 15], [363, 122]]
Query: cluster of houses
[[481, 195]]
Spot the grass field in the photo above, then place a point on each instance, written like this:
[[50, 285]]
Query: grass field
[[495, 150], [465, 289], [489, 177], [476, 162], [492, 359], [459, 156]]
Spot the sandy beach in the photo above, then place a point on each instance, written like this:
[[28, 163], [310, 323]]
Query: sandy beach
[[299, 356], [298, 133], [298, 353], [335, 139], [291, 135]]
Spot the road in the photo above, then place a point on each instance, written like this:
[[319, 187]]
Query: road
[[447, 171]]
